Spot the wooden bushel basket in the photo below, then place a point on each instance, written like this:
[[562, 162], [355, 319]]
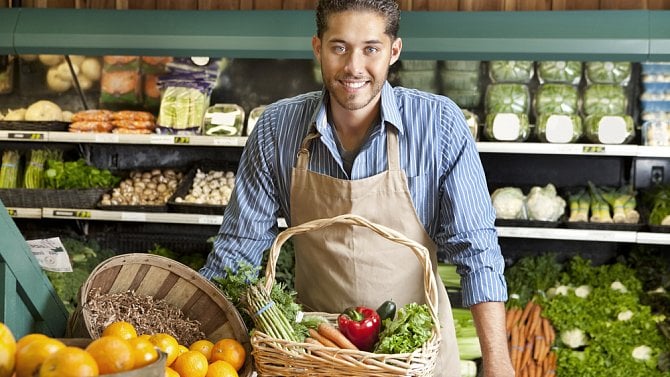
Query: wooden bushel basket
[[170, 281], [278, 357]]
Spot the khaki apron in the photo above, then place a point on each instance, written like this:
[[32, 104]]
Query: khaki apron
[[345, 265]]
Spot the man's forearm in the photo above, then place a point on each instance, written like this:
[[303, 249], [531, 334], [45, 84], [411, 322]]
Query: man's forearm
[[489, 320]]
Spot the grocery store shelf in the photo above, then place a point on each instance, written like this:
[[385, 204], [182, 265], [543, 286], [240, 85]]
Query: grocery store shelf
[[528, 35], [152, 217], [644, 151], [653, 238], [559, 149], [175, 140], [568, 234], [25, 213]]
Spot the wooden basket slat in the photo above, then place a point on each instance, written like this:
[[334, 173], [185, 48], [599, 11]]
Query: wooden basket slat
[[179, 293], [123, 280], [151, 282], [167, 286]]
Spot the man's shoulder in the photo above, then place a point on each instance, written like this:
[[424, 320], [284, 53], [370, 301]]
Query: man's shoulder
[[423, 98], [300, 101]]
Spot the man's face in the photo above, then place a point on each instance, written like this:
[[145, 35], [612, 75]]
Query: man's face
[[355, 56]]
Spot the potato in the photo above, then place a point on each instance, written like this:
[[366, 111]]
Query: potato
[[16, 115], [28, 57], [91, 68], [56, 83], [44, 110], [77, 59], [50, 60], [63, 71], [84, 82]]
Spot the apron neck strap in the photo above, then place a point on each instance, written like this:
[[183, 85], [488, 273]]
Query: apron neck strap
[[392, 148]]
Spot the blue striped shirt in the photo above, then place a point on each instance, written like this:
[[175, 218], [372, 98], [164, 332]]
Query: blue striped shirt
[[437, 154]]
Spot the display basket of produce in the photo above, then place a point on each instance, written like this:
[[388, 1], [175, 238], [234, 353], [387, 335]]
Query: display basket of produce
[[51, 198], [274, 356], [206, 189], [143, 191], [157, 294], [33, 125]]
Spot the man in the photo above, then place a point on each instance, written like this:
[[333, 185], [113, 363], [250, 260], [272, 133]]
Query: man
[[398, 157]]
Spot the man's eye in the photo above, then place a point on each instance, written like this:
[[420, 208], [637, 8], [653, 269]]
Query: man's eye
[[372, 50], [338, 49]]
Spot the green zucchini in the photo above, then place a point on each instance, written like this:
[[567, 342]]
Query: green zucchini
[[387, 310]]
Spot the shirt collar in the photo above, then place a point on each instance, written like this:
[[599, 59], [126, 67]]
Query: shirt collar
[[390, 114]]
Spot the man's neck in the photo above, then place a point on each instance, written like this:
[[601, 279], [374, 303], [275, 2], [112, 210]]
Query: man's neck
[[352, 127]]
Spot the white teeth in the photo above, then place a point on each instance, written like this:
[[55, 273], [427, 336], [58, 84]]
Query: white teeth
[[354, 85]]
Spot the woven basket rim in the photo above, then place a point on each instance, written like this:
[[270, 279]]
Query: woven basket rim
[[358, 362]]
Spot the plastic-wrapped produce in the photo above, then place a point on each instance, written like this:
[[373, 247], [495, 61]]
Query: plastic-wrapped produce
[[656, 133], [507, 127], [254, 114], [520, 71], [418, 65], [507, 98], [604, 99], [223, 119], [465, 98], [462, 65], [556, 99], [422, 80], [610, 129], [472, 121], [460, 80], [559, 128], [608, 72], [561, 71]]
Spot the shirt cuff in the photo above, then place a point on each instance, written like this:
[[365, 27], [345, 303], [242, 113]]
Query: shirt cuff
[[483, 285]]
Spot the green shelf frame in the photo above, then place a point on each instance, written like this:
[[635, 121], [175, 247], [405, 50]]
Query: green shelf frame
[[630, 35]]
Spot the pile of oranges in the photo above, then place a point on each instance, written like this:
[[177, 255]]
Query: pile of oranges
[[119, 349]]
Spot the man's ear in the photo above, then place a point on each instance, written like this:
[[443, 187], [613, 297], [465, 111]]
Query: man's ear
[[316, 48], [396, 47]]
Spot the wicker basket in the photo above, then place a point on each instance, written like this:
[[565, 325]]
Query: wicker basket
[[277, 357], [168, 280], [51, 198]]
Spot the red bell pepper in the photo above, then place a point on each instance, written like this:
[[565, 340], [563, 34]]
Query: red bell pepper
[[361, 326]]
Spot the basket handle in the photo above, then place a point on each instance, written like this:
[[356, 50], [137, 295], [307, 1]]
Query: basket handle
[[419, 250]]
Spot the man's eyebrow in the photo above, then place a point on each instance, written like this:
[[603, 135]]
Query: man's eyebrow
[[371, 41]]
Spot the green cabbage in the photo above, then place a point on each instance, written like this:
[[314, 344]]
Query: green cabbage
[[569, 72], [515, 128], [553, 128], [605, 99], [461, 80], [557, 99], [610, 129], [511, 70], [507, 98], [608, 72]]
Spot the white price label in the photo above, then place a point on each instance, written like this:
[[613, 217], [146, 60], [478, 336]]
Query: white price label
[[559, 129], [506, 127], [612, 130], [210, 220], [106, 138], [161, 139], [133, 216], [226, 141], [51, 254]]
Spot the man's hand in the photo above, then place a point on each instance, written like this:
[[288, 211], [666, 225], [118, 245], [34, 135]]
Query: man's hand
[[490, 323]]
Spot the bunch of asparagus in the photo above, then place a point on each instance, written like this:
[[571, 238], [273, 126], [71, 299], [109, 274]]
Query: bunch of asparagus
[[605, 204]]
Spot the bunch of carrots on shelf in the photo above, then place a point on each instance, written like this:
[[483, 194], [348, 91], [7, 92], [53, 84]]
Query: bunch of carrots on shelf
[[529, 337]]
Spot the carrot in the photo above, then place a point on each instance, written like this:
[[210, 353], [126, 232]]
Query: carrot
[[527, 352], [333, 334], [531, 369], [539, 347], [514, 348], [322, 339], [526, 311], [520, 330], [313, 341], [534, 320]]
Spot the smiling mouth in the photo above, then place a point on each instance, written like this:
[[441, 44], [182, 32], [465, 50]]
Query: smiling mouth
[[353, 85]]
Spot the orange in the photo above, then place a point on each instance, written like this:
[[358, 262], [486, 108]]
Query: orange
[[221, 369], [168, 344], [69, 362], [112, 354], [229, 350], [203, 346], [7, 351], [191, 364], [181, 349], [169, 372], [144, 336], [122, 329], [24, 340], [31, 356], [144, 352]]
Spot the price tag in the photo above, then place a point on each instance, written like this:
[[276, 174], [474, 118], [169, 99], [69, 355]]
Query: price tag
[[12, 212], [226, 141], [133, 216], [26, 135], [182, 140], [594, 149], [106, 138], [51, 254], [161, 139], [210, 220], [70, 213]]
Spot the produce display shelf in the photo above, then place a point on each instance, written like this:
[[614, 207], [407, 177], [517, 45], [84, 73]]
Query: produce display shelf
[[153, 217], [569, 234], [25, 213], [653, 238], [559, 149], [530, 35]]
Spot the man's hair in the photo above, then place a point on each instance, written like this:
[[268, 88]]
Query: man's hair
[[386, 8]]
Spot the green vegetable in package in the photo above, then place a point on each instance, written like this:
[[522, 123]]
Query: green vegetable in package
[[610, 129], [507, 127], [557, 99], [460, 80], [567, 72], [520, 71], [507, 98], [605, 99], [608, 72], [559, 128]]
